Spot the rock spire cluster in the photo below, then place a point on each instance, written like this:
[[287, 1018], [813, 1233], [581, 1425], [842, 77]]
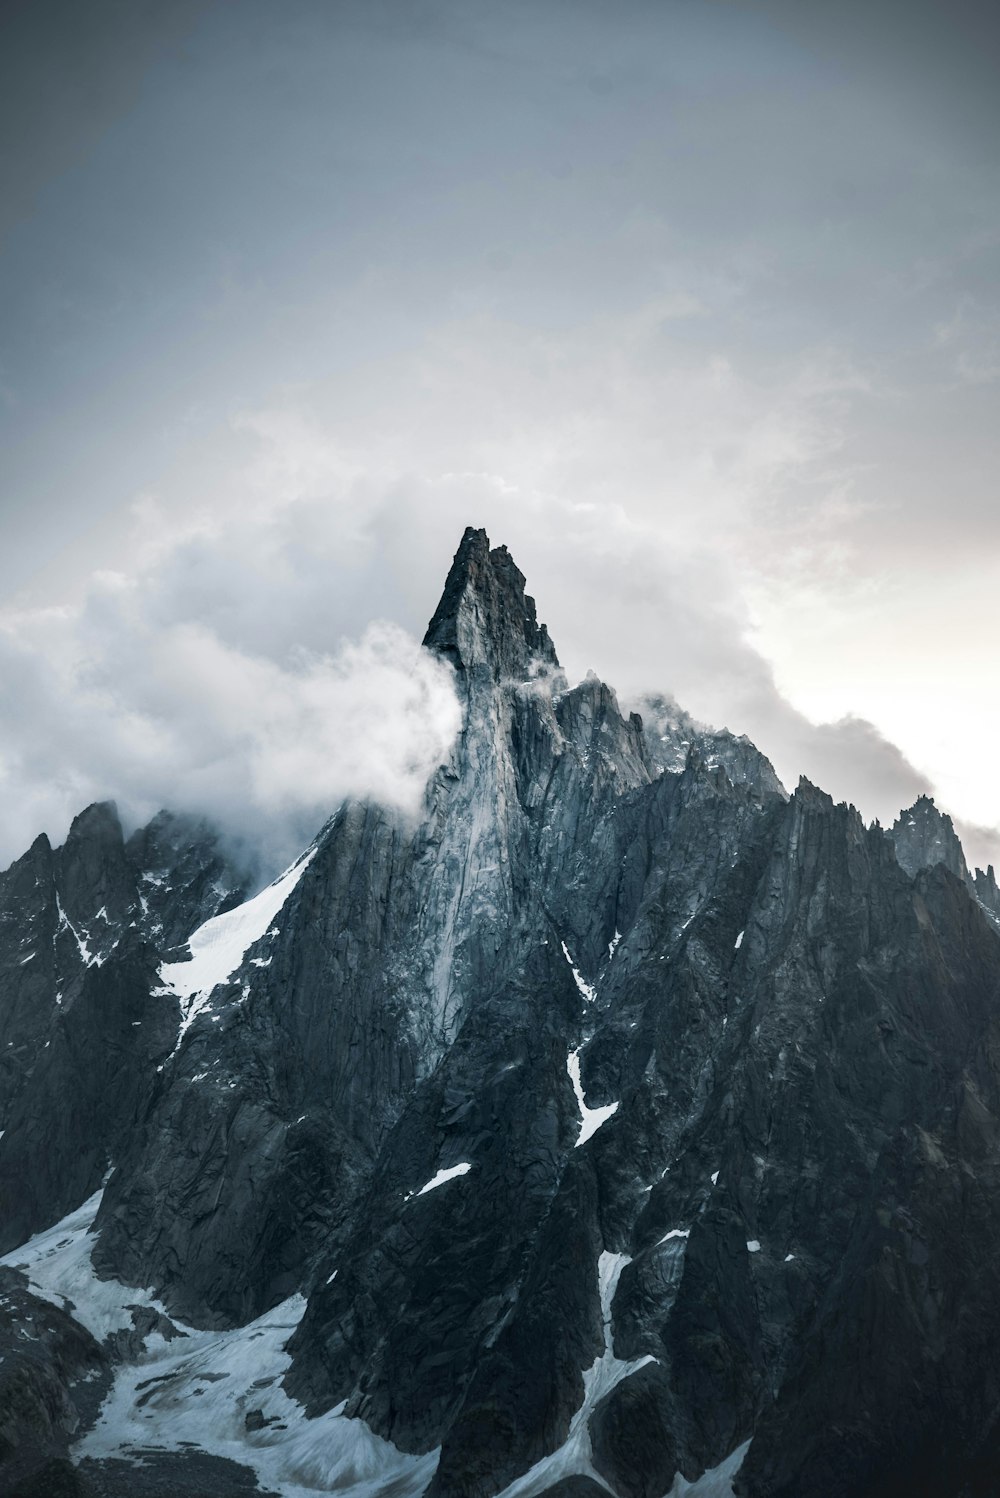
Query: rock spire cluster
[[621, 1120]]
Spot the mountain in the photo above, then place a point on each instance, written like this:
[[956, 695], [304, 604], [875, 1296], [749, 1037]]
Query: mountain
[[622, 1123]]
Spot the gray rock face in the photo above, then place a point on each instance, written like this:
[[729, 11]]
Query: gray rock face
[[925, 836], [82, 1030], [183, 877], [617, 1112], [672, 735], [52, 1374], [988, 894]]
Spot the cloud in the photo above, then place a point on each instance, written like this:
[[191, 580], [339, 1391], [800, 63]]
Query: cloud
[[115, 700], [254, 657], [981, 844], [971, 338]]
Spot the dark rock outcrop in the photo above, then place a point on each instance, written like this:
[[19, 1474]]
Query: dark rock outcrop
[[52, 1377], [924, 836], [84, 1027]]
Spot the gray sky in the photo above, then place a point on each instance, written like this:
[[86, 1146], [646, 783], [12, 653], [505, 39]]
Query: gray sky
[[694, 304]]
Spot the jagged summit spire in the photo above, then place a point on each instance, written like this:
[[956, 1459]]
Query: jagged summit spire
[[924, 835], [485, 620]]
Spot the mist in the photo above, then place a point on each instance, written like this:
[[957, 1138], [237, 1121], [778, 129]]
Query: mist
[[259, 661], [131, 698]]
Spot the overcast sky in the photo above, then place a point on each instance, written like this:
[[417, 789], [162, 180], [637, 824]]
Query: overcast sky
[[693, 303]]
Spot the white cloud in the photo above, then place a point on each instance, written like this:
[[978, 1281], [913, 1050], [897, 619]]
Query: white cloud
[[253, 656], [117, 699]]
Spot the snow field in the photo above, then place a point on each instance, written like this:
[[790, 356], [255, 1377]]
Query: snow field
[[199, 1387], [220, 945]]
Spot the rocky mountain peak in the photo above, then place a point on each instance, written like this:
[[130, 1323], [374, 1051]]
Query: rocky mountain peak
[[924, 836], [567, 1140], [96, 823], [671, 734], [485, 623], [93, 874], [987, 893]]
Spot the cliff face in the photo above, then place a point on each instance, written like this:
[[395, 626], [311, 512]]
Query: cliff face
[[620, 1117]]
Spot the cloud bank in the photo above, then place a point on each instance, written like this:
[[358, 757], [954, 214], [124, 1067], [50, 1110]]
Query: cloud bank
[[257, 660], [132, 698]]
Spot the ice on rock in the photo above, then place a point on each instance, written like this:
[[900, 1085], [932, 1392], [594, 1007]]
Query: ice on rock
[[442, 1176], [586, 992], [675, 1233], [220, 945], [65, 924], [591, 1119], [717, 1482]]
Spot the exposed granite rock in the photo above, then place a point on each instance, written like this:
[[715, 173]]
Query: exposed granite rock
[[84, 1027], [54, 1478], [634, 1445], [485, 622], [575, 1487], [671, 735], [184, 876], [924, 836], [988, 894]]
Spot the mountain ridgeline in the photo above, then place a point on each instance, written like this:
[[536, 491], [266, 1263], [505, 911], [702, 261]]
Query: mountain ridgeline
[[621, 1123]]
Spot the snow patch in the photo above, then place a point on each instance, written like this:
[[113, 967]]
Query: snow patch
[[753, 1247], [65, 924], [674, 1233], [739, 941], [587, 993], [201, 1387], [440, 1178], [715, 1483], [591, 1119], [57, 1264], [219, 946], [613, 943]]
